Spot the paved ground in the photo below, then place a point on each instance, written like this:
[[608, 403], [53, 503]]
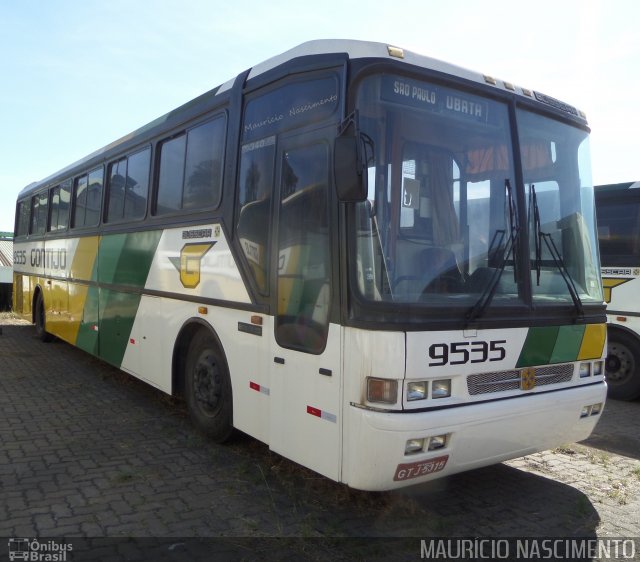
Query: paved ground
[[87, 451]]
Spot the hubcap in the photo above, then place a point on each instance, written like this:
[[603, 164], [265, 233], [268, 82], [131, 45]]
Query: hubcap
[[620, 364]]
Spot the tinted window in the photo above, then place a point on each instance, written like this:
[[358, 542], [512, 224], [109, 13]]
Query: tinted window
[[203, 173], [39, 209], [256, 185], [619, 230], [129, 187], [60, 199], [88, 199], [303, 250], [172, 154], [191, 169], [293, 105], [23, 214]]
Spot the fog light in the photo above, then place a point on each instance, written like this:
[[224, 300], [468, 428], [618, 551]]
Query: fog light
[[585, 370], [596, 409], [382, 390], [598, 368], [437, 442], [414, 446], [586, 410], [417, 390], [441, 388]]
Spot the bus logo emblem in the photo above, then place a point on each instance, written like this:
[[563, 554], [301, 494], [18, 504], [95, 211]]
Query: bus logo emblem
[[608, 284], [527, 379], [189, 263]]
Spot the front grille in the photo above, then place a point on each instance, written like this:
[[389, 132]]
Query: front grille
[[501, 381]]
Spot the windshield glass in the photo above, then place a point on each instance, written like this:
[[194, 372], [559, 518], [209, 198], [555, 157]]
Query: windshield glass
[[559, 190], [438, 220], [440, 225]]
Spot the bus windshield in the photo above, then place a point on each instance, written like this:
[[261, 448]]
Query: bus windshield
[[441, 225]]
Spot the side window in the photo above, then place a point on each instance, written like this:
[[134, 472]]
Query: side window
[[23, 215], [128, 187], [254, 219], [39, 208], [304, 290], [87, 197], [191, 167], [60, 200]]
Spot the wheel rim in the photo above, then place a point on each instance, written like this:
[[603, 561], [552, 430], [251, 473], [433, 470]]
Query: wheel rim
[[620, 364], [207, 383]]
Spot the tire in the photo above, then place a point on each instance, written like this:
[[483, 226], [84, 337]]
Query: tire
[[623, 366], [208, 388], [41, 320]]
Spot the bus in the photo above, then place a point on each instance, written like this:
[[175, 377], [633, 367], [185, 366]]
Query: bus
[[383, 266], [618, 216]]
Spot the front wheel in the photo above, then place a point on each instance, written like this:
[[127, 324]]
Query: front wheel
[[41, 320], [623, 366], [208, 389]]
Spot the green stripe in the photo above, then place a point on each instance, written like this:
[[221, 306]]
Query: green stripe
[[125, 259], [538, 347], [108, 316], [117, 314], [87, 335], [568, 344]]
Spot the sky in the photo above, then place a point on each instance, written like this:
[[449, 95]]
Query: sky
[[79, 74]]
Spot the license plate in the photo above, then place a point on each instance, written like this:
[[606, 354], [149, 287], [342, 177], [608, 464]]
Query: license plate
[[420, 468]]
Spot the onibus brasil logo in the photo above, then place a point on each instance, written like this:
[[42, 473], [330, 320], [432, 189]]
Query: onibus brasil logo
[[38, 551]]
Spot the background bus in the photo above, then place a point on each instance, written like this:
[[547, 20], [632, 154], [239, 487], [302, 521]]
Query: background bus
[[345, 253], [618, 210]]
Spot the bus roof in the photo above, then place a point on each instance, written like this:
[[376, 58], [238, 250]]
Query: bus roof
[[351, 48], [617, 186]]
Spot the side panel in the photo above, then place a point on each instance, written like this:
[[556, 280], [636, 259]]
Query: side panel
[[622, 295]]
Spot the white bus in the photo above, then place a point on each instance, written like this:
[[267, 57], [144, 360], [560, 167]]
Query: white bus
[[618, 211], [383, 266]]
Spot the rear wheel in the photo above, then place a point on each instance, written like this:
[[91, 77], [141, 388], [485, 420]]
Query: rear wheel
[[208, 388], [623, 366], [41, 320]]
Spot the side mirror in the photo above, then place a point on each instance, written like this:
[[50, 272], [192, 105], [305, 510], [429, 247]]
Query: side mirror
[[348, 169]]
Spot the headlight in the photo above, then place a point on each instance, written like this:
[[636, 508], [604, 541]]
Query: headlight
[[598, 368], [414, 446], [417, 390], [441, 388], [382, 390], [585, 370]]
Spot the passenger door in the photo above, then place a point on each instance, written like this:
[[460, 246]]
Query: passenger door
[[305, 416]]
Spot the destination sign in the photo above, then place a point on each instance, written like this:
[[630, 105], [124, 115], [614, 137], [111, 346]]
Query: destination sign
[[435, 99]]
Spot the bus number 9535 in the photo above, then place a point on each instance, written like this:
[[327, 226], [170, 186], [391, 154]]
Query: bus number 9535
[[459, 353]]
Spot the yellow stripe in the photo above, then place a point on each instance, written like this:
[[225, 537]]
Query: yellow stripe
[[84, 258], [593, 342], [81, 269]]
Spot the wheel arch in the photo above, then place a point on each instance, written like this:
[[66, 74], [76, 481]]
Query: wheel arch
[[181, 349], [613, 328], [37, 291]]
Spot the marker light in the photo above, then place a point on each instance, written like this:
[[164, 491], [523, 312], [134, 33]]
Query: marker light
[[585, 370], [441, 388], [596, 408], [382, 390], [586, 410], [417, 390]]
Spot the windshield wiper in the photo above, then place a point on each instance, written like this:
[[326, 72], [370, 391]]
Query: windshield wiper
[[555, 254], [514, 229]]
